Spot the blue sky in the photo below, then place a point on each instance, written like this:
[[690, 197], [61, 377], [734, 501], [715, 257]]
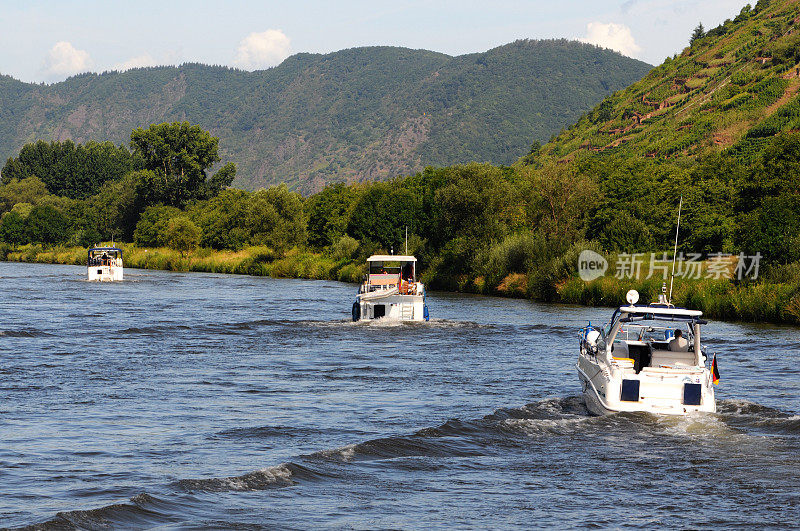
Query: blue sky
[[48, 40]]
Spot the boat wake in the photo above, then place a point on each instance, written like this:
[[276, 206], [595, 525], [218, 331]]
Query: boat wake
[[281, 475], [24, 332], [143, 510], [287, 325], [548, 422], [750, 416], [433, 323]]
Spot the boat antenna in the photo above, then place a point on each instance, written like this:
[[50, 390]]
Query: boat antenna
[[675, 250], [406, 240]]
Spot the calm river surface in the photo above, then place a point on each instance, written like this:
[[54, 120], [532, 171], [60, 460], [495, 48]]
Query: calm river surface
[[202, 401]]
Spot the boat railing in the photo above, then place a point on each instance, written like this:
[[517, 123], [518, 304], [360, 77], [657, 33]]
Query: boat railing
[[389, 281], [409, 288], [99, 261]]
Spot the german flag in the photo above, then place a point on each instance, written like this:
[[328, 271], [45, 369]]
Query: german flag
[[714, 371]]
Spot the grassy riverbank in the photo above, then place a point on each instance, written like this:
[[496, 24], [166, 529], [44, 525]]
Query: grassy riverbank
[[257, 261], [776, 301], [718, 299]]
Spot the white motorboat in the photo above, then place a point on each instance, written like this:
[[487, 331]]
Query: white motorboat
[[104, 263], [648, 358], [390, 290]]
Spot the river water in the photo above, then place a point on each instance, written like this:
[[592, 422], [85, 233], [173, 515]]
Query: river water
[[203, 401]]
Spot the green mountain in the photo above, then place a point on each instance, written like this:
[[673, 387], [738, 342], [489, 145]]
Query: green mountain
[[733, 88], [357, 114]]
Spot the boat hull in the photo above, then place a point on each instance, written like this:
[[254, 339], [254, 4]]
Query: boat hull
[[103, 273], [657, 391], [391, 306]]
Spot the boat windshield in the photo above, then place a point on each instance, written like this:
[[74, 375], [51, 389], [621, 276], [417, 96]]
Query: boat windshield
[[378, 268], [655, 333], [104, 257], [398, 270]]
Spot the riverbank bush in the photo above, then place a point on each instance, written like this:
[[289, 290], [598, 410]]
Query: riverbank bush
[[512, 231], [717, 299], [553, 280]]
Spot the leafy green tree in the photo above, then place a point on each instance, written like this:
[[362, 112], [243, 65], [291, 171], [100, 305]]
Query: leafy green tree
[[344, 248], [787, 52], [179, 155], [68, 169], [86, 237], [773, 230], [182, 234], [709, 217], [286, 228], [382, 215], [477, 202], [777, 172], [616, 230], [13, 228], [151, 229], [646, 192], [329, 212], [46, 224], [556, 204], [28, 190], [533, 153], [223, 219], [698, 33], [23, 209], [114, 210]]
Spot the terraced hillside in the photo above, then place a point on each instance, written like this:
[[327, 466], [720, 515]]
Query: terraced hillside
[[734, 88]]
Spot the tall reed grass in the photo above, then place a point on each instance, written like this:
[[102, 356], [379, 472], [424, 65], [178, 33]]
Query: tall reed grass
[[718, 299], [772, 299]]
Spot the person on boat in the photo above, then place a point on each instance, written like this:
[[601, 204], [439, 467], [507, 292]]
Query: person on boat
[[678, 343], [405, 278]]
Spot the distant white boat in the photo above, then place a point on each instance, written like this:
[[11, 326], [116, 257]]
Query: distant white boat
[[390, 291], [104, 264], [648, 358]]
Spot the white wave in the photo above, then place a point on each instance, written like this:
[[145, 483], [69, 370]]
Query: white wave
[[257, 480], [533, 427], [344, 454]]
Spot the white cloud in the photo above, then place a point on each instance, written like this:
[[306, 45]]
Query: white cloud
[[140, 61], [262, 50], [617, 37], [64, 60]]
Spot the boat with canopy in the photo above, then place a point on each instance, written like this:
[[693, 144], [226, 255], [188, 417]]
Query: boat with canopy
[[391, 291], [104, 263]]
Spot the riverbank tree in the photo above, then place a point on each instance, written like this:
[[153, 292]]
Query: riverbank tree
[[474, 227]]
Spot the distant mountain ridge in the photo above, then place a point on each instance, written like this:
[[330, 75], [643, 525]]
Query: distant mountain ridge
[[356, 114]]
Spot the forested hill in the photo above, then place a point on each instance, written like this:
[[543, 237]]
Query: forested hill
[[356, 114], [734, 88]]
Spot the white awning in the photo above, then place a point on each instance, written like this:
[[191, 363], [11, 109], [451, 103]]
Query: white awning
[[390, 258]]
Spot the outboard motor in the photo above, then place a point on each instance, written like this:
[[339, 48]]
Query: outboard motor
[[588, 340]]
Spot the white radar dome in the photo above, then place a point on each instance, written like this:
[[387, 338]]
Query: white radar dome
[[632, 297]]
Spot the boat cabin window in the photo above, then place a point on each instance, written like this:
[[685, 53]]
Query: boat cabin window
[[379, 311]]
